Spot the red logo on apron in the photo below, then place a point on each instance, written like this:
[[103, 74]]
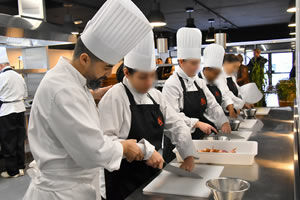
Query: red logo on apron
[[160, 121], [217, 94], [203, 101]]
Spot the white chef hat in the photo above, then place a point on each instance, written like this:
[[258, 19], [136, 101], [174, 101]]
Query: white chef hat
[[250, 93], [142, 57], [3, 55], [115, 30], [189, 41], [213, 56]]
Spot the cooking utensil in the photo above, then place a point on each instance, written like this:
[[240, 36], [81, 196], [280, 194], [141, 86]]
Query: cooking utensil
[[228, 188], [250, 112], [181, 172], [234, 124]]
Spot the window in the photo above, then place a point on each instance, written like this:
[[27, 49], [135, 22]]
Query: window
[[282, 64]]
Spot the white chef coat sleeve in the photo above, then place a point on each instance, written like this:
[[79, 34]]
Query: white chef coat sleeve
[[214, 111], [112, 115], [3, 83], [172, 95], [79, 133], [176, 129], [227, 95], [25, 90]]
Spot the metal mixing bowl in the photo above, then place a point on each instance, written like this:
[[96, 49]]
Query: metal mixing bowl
[[235, 124], [216, 137], [250, 112], [228, 188]]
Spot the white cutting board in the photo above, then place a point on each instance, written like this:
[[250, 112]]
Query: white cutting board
[[243, 133], [168, 183], [248, 123], [262, 111]]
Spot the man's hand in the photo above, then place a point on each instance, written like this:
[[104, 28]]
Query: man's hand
[[131, 150], [232, 112], [100, 92], [226, 128], [188, 164], [156, 160], [248, 106], [205, 128]]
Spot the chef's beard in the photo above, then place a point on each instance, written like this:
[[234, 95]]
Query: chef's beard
[[96, 83]]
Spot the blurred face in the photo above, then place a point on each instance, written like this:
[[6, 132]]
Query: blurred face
[[190, 66], [230, 68], [93, 70], [237, 66], [211, 74], [141, 81], [257, 53], [3, 65]]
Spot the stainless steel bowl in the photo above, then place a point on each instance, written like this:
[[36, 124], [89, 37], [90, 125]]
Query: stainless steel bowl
[[235, 124], [216, 137], [228, 188], [250, 112]]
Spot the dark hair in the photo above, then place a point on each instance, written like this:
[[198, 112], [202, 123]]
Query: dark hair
[[257, 50], [130, 70], [240, 57], [80, 48], [230, 58]]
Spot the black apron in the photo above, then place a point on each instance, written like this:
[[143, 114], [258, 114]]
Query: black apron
[[214, 90], [194, 106], [7, 69], [232, 86], [147, 122]]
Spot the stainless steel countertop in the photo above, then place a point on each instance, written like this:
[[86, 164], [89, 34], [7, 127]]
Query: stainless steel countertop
[[272, 175]]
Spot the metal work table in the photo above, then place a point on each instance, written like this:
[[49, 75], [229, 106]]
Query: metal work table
[[272, 175]]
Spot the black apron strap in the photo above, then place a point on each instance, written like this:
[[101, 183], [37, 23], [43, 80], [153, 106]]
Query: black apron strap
[[154, 102], [182, 83], [200, 75], [197, 86], [130, 96]]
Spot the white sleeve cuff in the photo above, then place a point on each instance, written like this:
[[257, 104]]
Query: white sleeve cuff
[[116, 157], [147, 148]]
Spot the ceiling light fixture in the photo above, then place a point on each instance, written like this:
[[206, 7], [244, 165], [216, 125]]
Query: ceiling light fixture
[[156, 17], [292, 6], [78, 21], [292, 21], [190, 22], [210, 37], [69, 25]]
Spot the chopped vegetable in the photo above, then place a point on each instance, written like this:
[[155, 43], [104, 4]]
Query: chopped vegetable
[[213, 150]]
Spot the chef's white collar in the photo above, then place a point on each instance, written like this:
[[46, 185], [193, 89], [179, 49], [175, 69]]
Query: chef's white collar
[[135, 93], [74, 72], [183, 75], [5, 68]]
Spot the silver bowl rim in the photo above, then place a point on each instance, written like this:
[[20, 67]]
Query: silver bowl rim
[[224, 178], [216, 136]]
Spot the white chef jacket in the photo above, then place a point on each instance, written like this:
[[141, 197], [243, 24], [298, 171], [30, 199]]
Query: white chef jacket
[[221, 82], [173, 92], [226, 100], [66, 139], [12, 89], [115, 106]]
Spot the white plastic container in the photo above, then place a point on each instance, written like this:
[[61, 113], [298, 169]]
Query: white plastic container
[[245, 152]]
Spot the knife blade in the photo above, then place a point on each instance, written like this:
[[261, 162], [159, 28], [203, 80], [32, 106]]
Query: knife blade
[[181, 172]]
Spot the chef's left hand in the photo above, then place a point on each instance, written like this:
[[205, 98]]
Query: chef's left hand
[[188, 164], [226, 128], [100, 92]]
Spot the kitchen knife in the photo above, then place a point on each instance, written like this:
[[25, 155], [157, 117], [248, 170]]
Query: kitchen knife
[[181, 172]]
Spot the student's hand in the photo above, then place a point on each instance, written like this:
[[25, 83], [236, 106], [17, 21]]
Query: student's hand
[[188, 164], [232, 112], [205, 128], [226, 128], [100, 92], [248, 106], [156, 160], [131, 150]]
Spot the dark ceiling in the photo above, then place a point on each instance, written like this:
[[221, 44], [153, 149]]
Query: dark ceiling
[[243, 14]]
